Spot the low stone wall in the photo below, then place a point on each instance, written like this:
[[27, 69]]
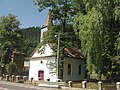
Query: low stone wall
[[99, 86], [14, 78]]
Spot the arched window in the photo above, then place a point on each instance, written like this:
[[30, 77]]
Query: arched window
[[79, 72], [69, 69]]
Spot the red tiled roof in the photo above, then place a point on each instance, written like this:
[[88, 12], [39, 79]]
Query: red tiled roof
[[74, 53], [47, 20]]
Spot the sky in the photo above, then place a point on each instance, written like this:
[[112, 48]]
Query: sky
[[25, 10]]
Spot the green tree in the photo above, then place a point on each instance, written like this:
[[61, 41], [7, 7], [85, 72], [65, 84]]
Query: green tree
[[91, 41], [10, 37], [11, 67], [61, 14], [28, 47], [98, 31]]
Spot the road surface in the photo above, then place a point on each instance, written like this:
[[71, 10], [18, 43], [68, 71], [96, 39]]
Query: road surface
[[22, 87]]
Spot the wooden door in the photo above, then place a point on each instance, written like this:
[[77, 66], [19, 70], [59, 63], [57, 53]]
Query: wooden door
[[41, 75]]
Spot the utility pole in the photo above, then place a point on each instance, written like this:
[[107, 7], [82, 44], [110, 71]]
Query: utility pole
[[58, 53]]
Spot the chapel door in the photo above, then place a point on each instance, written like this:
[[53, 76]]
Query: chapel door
[[41, 75]]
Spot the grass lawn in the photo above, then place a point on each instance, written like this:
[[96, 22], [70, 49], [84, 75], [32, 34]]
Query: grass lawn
[[94, 85]]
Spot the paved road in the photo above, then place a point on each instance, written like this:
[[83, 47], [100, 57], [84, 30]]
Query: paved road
[[18, 86], [22, 87], [12, 87]]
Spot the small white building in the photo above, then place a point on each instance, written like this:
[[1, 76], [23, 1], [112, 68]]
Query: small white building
[[44, 65], [40, 65]]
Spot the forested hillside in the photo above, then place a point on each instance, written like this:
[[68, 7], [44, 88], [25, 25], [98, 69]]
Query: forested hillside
[[31, 33], [31, 38]]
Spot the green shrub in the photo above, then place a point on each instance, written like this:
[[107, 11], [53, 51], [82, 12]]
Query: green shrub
[[20, 81], [92, 85]]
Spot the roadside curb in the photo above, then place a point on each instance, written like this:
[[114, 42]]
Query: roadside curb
[[51, 86], [18, 84], [72, 88], [39, 85]]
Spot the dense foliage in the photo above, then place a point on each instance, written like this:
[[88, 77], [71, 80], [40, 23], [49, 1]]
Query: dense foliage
[[96, 23], [31, 33], [10, 37], [11, 68], [98, 30], [31, 38], [10, 40], [61, 21]]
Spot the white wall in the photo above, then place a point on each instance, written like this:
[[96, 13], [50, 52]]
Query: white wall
[[75, 69], [47, 52], [42, 32], [35, 66]]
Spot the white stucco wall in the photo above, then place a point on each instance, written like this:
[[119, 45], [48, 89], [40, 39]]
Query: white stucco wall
[[42, 32], [75, 69], [47, 52], [35, 64]]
